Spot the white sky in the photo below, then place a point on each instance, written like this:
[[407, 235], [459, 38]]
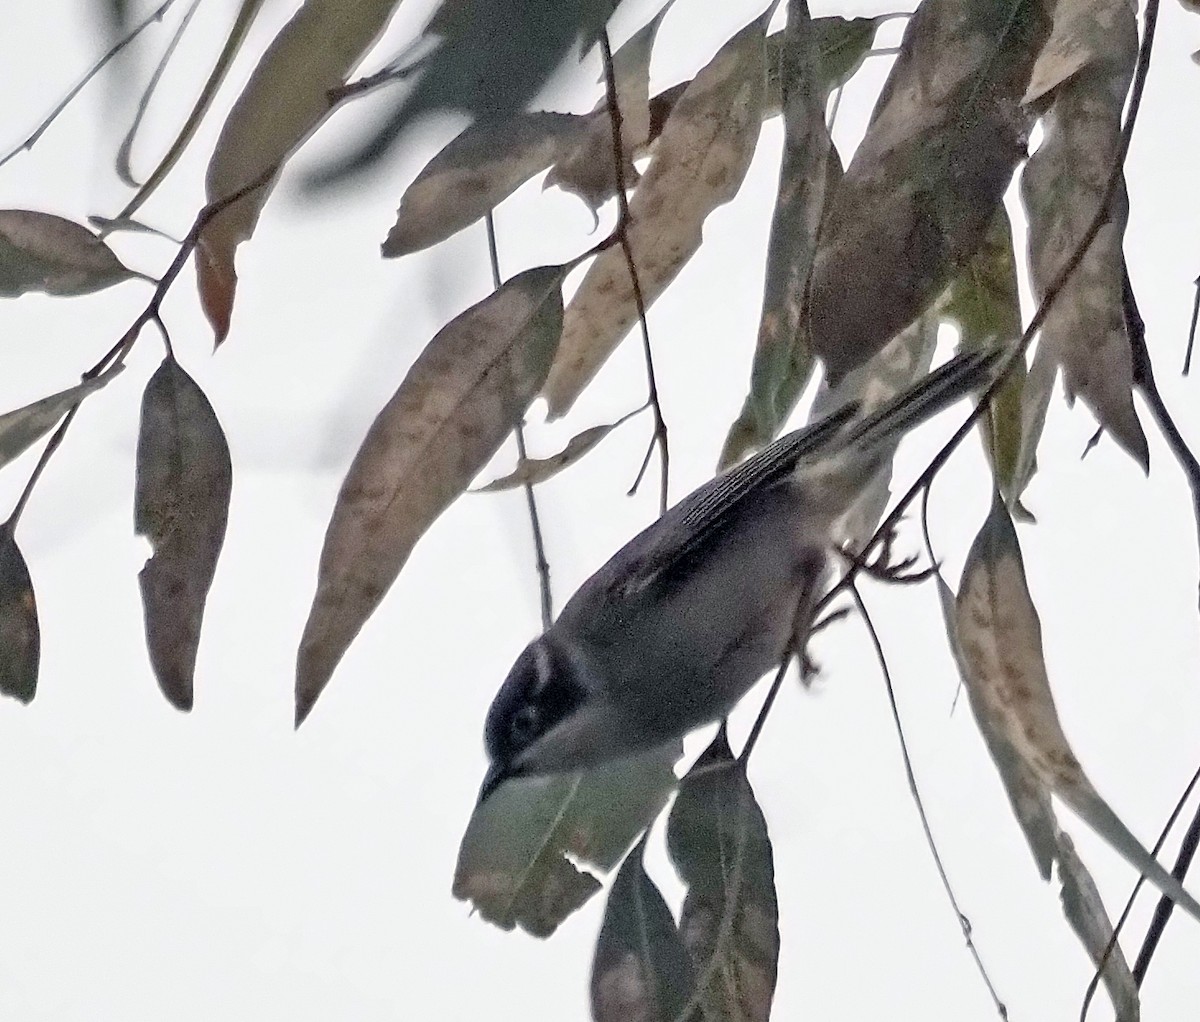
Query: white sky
[[220, 866]]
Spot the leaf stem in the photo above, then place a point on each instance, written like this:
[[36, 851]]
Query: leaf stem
[[541, 564], [622, 232]]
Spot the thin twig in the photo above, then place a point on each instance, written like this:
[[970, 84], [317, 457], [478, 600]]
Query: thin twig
[[963, 921], [622, 231], [1156, 927], [32, 140], [125, 150], [535, 523], [1143, 379], [151, 313], [1191, 340]]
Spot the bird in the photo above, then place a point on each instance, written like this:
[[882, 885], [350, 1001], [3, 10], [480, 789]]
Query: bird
[[684, 619]]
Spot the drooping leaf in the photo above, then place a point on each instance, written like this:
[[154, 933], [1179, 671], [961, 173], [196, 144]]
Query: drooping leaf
[[490, 58], [44, 252], [1062, 186], [20, 637], [513, 864], [588, 169], [641, 970], [474, 174], [532, 471], [23, 427], [1005, 674], [783, 358], [983, 302], [181, 505], [247, 12], [449, 416], [1084, 909], [925, 182], [282, 104], [717, 839], [702, 157]]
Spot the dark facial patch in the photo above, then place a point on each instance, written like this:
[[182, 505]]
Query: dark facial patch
[[540, 690]]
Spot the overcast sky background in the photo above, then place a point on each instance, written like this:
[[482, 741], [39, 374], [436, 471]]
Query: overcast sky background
[[219, 866]]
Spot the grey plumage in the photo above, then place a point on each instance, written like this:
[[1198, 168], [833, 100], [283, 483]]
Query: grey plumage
[[687, 616]]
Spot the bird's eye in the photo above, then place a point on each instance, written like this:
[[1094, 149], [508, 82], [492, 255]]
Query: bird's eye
[[524, 725]]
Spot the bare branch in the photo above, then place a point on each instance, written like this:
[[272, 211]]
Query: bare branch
[[32, 140]]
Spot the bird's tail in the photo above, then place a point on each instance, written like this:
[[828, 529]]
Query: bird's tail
[[937, 391]]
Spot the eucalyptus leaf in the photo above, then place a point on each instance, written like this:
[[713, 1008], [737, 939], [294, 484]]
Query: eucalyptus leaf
[[641, 969], [517, 862], [43, 252], [20, 636], [181, 505], [700, 162], [925, 183], [717, 838], [450, 414], [22, 428]]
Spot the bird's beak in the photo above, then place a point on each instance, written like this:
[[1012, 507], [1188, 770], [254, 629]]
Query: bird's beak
[[496, 775]]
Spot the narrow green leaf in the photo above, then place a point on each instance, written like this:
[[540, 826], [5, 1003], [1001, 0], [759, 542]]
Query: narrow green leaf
[[641, 969], [925, 182], [449, 416], [20, 637], [44, 252], [516, 864], [985, 306], [181, 505], [717, 839], [23, 427], [783, 358]]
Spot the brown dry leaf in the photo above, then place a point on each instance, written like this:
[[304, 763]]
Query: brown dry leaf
[[1004, 670], [23, 427], [717, 838], [702, 157], [925, 183], [641, 971], [181, 505], [449, 416], [586, 169], [1062, 186], [1084, 909], [284, 101], [1030, 800], [474, 174], [20, 637], [44, 252], [810, 169], [532, 471], [517, 862]]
